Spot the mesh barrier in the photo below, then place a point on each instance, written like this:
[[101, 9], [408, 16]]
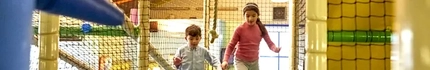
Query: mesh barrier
[[172, 17], [359, 34], [63, 64], [88, 46], [230, 11], [300, 20], [83, 49]]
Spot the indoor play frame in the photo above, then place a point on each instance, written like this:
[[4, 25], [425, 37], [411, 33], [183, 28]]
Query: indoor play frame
[[79, 31], [315, 30], [52, 22]]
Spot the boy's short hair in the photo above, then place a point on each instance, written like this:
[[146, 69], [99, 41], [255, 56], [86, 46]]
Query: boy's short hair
[[193, 30]]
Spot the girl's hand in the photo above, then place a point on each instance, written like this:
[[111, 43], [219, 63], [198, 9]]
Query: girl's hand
[[224, 65], [277, 49]]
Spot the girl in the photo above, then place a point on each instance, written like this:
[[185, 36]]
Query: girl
[[247, 37]]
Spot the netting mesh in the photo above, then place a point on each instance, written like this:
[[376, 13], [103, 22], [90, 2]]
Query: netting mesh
[[300, 20], [88, 46], [359, 34], [84, 49], [62, 63], [230, 11]]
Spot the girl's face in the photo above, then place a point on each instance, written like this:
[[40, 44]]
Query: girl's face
[[251, 17]]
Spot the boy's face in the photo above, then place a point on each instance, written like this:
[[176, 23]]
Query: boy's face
[[193, 41]]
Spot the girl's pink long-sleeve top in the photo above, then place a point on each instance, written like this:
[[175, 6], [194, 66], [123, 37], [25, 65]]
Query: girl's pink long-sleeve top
[[247, 38]]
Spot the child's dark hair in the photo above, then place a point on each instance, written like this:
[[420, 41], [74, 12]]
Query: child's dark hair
[[254, 7], [193, 30]]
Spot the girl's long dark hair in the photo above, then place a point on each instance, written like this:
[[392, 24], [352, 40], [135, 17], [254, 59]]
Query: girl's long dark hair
[[254, 7]]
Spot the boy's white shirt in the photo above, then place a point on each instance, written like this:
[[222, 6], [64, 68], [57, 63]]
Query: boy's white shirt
[[198, 61]]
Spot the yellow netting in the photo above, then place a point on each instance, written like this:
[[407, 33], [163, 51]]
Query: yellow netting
[[83, 50], [89, 46], [230, 11], [300, 21], [359, 34]]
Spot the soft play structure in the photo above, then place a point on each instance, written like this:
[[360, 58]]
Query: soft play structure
[[84, 45], [323, 34], [343, 34], [16, 28]]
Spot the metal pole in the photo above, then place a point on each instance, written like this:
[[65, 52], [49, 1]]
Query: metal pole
[[49, 27], [143, 8]]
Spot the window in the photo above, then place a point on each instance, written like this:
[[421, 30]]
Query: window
[[279, 13]]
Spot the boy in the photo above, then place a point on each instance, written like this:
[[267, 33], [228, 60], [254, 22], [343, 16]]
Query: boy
[[192, 56]]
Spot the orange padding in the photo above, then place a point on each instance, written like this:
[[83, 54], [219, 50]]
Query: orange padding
[[102, 62], [122, 1]]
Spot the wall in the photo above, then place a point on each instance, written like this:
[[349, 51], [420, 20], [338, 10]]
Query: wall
[[230, 10]]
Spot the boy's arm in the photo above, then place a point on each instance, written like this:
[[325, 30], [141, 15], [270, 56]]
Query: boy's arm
[[177, 54], [212, 59]]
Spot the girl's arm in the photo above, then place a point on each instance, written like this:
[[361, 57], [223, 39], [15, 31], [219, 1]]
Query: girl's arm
[[232, 44], [269, 42]]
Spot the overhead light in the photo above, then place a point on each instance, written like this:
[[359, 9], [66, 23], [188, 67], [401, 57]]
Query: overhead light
[[280, 0]]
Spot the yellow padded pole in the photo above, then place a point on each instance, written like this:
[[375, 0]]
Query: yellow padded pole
[[411, 35], [143, 8], [316, 32], [48, 41]]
